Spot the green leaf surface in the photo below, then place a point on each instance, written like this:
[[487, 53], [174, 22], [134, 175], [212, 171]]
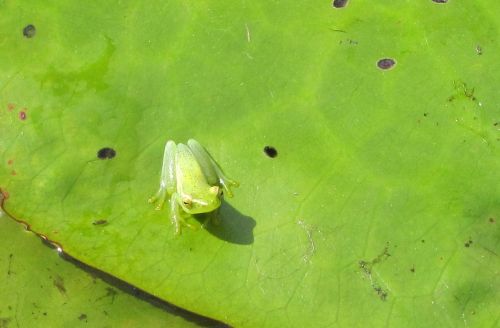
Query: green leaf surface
[[40, 290], [381, 207]]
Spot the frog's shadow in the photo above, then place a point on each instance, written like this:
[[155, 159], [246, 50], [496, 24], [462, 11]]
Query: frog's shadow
[[232, 227]]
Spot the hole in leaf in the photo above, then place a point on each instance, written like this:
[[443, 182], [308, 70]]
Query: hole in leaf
[[29, 31], [440, 1], [106, 153], [270, 151], [339, 3], [386, 63]]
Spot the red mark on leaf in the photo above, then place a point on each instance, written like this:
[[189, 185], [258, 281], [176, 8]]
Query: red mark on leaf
[[4, 193], [22, 115], [11, 107]]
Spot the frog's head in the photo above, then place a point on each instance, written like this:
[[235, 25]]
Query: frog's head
[[201, 203]]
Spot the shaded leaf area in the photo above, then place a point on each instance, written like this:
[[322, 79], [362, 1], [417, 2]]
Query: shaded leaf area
[[41, 290], [377, 207]]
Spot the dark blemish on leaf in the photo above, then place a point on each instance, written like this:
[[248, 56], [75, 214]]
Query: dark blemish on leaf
[[425, 114], [11, 107], [339, 3], [462, 89], [100, 222], [59, 283], [13, 172], [110, 292], [270, 151], [412, 269], [4, 322], [45, 313], [440, 1], [468, 243], [423, 240], [106, 153], [9, 271], [492, 220], [29, 31], [479, 50], [349, 42], [82, 316], [337, 30], [381, 293], [386, 63], [22, 115], [9, 162], [367, 266]]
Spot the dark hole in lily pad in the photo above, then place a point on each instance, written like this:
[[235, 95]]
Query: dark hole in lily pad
[[29, 31], [386, 63], [339, 3], [270, 151], [106, 153]]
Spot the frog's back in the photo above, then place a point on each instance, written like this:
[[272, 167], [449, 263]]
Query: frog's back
[[188, 172]]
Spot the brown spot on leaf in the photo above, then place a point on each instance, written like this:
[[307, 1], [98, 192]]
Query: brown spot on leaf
[[11, 107], [5, 194], [82, 316], [59, 283], [100, 222], [492, 220], [9, 162]]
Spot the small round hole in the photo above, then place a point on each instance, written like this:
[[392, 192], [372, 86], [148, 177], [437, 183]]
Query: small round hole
[[386, 63], [29, 31], [270, 151], [339, 3], [106, 153]]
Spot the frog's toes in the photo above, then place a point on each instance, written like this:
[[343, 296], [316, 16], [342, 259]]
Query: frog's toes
[[227, 184]]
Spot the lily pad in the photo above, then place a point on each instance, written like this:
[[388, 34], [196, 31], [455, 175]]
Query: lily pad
[[377, 207]]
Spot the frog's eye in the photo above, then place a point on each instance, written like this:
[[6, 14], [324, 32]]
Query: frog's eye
[[187, 200]]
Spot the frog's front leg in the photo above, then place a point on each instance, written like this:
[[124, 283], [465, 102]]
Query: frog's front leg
[[167, 179], [176, 214], [211, 169]]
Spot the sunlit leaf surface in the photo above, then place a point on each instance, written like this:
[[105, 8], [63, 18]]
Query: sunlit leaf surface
[[380, 206]]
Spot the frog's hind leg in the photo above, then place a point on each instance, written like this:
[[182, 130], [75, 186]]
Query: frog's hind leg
[[167, 179], [210, 168], [176, 216]]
